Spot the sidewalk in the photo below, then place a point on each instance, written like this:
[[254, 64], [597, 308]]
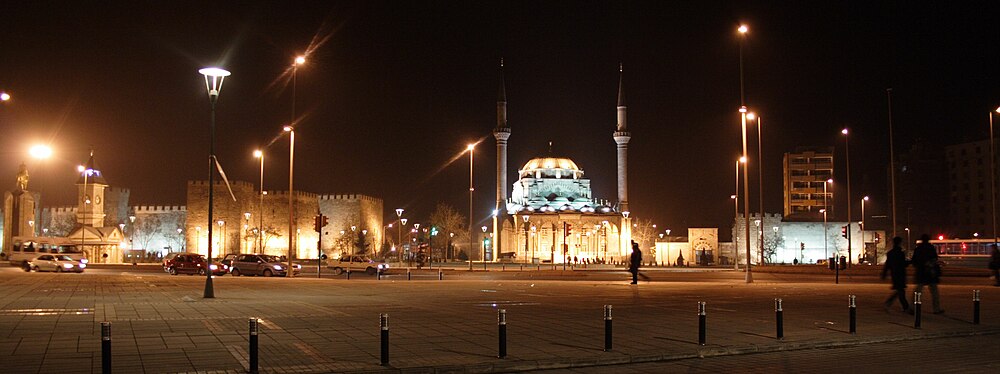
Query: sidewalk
[[50, 322]]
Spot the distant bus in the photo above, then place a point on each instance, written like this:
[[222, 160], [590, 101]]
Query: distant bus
[[24, 248], [973, 253]]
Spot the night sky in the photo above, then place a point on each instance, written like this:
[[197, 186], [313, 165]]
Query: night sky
[[394, 90]]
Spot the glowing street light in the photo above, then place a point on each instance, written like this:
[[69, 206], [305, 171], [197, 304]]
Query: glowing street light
[[291, 195], [471, 149], [260, 205], [40, 151], [213, 84], [4, 96]]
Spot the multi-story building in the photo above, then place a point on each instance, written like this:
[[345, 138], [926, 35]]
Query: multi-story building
[[805, 172], [969, 187]]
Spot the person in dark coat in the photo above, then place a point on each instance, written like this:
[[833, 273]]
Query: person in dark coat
[[995, 265], [635, 260], [925, 262], [895, 264]]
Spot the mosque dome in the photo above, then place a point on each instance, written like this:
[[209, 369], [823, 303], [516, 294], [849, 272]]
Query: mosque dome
[[552, 167]]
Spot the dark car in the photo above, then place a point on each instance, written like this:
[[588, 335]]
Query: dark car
[[191, 263], [260, 264]]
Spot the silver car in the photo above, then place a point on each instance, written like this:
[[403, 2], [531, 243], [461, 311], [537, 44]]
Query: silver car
[[259, 264], [56, 263]]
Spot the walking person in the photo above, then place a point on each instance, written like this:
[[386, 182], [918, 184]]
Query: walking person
[[925, 262], [995, 265], [635, 260], [895, 265]]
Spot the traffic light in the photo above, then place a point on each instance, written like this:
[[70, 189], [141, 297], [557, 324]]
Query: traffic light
[[843, 231], [877, 237], [325, 221], [316, 223]]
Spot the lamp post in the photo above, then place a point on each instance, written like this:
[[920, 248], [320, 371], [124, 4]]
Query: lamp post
[[907, 235], [197, 237], [222, 236], [736, 221], [743, 29], [447, 250], [525, 218], [470, 148], [213, 83], [826, 206], [667, 259], [399, 216], [863, 244], [291, 195], [180, 235], [4, 96], [86, 202], [484, 247], [847, 159], [760, 183], [993, 179], [260, 204], [131, 233], [246, 232]]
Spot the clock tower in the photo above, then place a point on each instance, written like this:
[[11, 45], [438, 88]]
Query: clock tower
[[90, 196]]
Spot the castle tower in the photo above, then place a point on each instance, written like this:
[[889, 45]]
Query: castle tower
[[622, 137], [90, 195], [501, 133]]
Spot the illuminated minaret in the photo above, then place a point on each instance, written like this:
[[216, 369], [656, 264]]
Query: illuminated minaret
[[622, 137], [501, 133]]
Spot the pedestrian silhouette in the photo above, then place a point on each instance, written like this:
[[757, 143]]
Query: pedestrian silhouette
[[995, 265], [925, 262], [895, 265], [635, 261]]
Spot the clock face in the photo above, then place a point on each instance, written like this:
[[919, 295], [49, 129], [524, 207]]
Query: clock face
[[97, 200]]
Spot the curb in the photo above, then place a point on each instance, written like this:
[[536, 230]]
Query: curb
[[622, 359]]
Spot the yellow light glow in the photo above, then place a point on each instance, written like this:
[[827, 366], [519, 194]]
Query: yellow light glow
[[743, 159], [4, 96], [258, 154], [998, 108], [866, 198], [751, 116], [300, 60], [286, 129], [844, 131], [40, 151], [80, 168], [743, 29], [470, 147]]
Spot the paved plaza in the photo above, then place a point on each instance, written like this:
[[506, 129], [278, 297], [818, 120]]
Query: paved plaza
[[160, 324]]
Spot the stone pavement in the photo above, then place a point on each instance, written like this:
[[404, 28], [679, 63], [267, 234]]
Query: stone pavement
[[51, 322]]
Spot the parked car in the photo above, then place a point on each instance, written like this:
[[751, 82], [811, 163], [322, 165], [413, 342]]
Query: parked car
[[56, 263], [356, 263], [260, 264], [190, 264]]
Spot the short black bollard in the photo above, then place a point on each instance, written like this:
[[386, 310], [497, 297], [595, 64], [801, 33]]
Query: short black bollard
[[853, 310], [105, 347], [254, 329], [779, 323], [502, 327], [383, 324], [348, 274], [408, 274], [607, 328], [975, 307], [916, 310], [378, 275], [701, 323], [440, 275]]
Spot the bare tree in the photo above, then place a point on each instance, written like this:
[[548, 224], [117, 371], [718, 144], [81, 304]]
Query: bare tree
[[644, 233], [448, 220], [62, 225], [146, 228], [771, 244]]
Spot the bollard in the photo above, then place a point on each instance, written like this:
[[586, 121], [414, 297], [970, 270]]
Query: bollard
[[383, 324], [502, 327], [348, 274], [701, 323], [853, 311], [106, 347], [378, 275], [408, 274], [607, 328], [503, 267], [975, 307], [440, 275], [254, 329], [916, 310], [779, 323]]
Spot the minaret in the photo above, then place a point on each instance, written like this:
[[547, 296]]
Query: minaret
[[501, 133], [622, 137]]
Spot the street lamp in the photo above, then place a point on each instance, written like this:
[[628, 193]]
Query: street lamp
[[484, 247], [863, 200], [213, 83], [525, 218], [260, 205], [399, 216], [222, 236], [470, 148], [291, 194], [847, 158], [993, 179], [4, 96], [246, 232], [760, 182], [87, 172], [667, 259], [131, 233], [825, 235], [824, 210]]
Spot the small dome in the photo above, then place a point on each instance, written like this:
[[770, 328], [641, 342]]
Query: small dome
[[551, 167]]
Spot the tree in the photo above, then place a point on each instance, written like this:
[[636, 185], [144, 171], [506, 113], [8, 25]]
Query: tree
[[644, 233], [269, 232], [448, 220], [771, 245], [146, 228], [62, 225]]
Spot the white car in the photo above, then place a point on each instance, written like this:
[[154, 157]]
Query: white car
[[56, 263], [356, 263]]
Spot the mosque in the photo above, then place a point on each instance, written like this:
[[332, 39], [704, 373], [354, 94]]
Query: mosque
[[551, 215]]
